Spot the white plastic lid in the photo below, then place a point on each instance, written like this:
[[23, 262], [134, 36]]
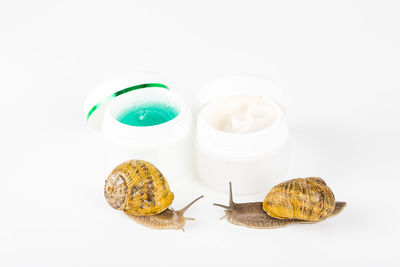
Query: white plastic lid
[[249, 85], [98, 100]]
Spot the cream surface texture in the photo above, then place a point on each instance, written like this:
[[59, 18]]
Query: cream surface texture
[[241, 114]]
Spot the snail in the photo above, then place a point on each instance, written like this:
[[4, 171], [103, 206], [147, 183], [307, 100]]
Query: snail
[[139, 189], [301, 200]]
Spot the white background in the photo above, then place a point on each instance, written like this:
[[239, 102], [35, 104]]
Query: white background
[[338, 60]]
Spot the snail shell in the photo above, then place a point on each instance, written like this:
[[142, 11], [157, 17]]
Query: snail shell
[[300, 200], [138, 187], [307, 199]]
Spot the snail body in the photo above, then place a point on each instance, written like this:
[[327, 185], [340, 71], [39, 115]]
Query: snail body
[[168, 219], [139, 189], [307, 200]]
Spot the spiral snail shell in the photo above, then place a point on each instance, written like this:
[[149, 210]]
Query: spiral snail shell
[[139, 189], [308, 199], [301, 200]]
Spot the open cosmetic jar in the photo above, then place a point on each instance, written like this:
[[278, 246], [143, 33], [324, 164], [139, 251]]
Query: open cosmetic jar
[[141, 118], [241, 135]]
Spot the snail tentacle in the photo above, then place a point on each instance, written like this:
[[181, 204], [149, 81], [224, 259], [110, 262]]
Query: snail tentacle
[[178, 219], [231, 203]]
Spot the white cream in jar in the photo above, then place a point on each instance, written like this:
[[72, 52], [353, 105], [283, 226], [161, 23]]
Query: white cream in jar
[[241, 114], [241, 135]]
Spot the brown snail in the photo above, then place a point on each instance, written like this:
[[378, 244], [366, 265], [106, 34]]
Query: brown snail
[[139, 189], [301, 200]]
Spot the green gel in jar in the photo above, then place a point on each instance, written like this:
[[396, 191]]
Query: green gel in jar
[[148, 114]]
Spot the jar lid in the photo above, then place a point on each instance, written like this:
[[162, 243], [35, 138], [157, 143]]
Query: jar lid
[[249, 85], [98, 99]]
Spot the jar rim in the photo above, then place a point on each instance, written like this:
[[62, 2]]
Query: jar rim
[[242, 144], [170, 95], [153, 135]]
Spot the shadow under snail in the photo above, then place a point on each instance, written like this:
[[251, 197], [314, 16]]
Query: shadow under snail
[[301, 200], [139, 189]]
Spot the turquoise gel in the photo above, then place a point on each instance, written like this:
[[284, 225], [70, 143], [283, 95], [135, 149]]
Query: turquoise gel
[[148, 114]]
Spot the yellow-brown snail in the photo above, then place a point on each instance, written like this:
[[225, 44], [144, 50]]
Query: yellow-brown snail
[[301, 200], [139, 189]]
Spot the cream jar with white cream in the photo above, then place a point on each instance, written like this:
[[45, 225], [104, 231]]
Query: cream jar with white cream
[[242, 134]]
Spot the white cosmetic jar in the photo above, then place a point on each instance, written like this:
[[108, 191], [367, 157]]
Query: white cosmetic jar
[[252, 161], [168, 145]]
